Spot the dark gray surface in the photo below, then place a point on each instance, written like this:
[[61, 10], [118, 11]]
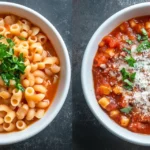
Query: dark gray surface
[[58, 135], [88, 133]]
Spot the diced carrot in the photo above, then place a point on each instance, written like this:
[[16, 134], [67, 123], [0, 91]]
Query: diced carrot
[[139, 28], [147, 25], [105, 89], [133, 23], [117, 89], [114, 113], [104, 102], [124, 121]]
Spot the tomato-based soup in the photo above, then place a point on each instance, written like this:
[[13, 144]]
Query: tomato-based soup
[[121, 72]]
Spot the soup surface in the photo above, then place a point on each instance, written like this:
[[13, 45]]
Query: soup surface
[[29, 73], [121, 72]]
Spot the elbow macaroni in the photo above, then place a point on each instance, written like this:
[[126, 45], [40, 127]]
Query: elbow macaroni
[[17, 108]]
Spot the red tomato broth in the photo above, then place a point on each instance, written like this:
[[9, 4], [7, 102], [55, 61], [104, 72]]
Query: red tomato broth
[[103, 64]]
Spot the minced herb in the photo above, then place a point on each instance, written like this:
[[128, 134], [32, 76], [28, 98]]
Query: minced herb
[[11, 67], [126, 110]]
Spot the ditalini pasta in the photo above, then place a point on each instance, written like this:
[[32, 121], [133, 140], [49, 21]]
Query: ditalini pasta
[[29, 73], [121, 73]]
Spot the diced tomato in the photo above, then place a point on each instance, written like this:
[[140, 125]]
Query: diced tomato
[[137, 126], [123, 103], [111, 106], [133, 127], [100, 59], [111, 41], [119, 36], [145, 119], [124, 27]]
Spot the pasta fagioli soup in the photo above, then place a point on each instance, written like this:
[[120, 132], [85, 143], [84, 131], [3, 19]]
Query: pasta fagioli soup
[[121, 73], [29, 73]]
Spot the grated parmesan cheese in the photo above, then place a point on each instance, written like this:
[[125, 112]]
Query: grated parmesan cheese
[[140, 96]]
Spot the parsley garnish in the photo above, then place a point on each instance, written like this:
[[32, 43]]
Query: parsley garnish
[[144, 32], [128, 78], [11, 66], [126, 50], [139, 37], [1, 37], [132, 76], [124, 73], [126, 110], [128, 83], [130, 60], [22, 38], [129, 42], [143, 46], [144, 35], [128, 87], [127, 75]]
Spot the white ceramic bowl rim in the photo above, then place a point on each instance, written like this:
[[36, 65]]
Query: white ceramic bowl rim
[[25, 135], [102, 117]]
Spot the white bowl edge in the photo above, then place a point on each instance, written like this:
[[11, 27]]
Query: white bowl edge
[[61, 49], [86, 72]]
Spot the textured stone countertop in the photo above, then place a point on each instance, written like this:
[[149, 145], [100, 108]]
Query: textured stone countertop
[[57, 136], [76, 20]]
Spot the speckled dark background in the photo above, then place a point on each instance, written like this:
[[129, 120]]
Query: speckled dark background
[[88, 133], [58, 135], [76, 20]]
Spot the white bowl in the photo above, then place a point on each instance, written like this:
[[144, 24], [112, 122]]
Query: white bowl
[[60, 47], [110, 24]]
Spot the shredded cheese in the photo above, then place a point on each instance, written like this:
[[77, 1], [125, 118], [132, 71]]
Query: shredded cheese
[[140, 95]]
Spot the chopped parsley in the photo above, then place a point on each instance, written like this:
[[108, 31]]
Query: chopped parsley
[[1, 37], [132, 76], [144, 32], [128, 79], [144, 35], [11, 67], [128, 87], [129, 42], [130, 60], [125, 74], [129, 83], [126, 50], [126, 110], [143, 46], [22, 38], [139, 37]]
